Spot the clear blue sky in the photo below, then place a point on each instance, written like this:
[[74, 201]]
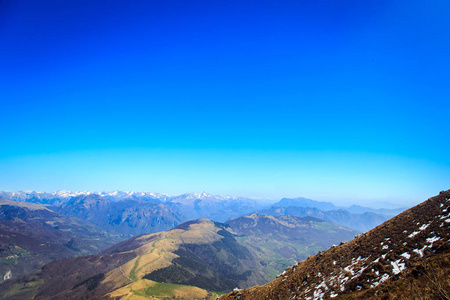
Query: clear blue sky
[[332, 100]]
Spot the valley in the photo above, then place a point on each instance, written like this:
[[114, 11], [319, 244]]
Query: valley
[[203, 258], [32, 235]]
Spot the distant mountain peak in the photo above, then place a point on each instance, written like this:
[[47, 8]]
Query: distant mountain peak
[[30, 206], [305, 202]]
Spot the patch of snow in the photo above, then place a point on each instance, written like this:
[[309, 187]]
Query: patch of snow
[[413, 234], [382, 279], [398, 266], [332, 295], [8, 275], [433, 239], [349, 269], [356, 260], [420, 251], [385, 247], [332, 278], [406, 255], [342, 280], [320, 291], [359, 273], [423, 227]]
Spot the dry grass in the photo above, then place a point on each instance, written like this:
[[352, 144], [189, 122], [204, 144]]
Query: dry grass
[[127, 279], [147, 289]]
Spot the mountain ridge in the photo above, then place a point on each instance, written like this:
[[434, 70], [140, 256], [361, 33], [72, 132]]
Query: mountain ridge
[[32, 234], [129, 217], [359, 222]]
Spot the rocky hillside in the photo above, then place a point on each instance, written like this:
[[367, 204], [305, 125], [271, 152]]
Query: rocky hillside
[[32, 235], [394, 258]]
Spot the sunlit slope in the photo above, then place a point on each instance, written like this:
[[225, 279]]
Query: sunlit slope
[[193, 253], [147, 289], [201, 252]]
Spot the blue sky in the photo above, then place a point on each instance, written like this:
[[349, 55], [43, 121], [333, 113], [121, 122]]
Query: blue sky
[[332, 100]]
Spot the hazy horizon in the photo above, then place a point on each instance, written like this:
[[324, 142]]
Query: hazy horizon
[[372, 203]]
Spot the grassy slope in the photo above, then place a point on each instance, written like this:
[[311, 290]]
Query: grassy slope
[[161, 256], [147, 289], [281, 241]]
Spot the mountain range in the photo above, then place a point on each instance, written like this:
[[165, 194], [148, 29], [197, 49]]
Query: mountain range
[[128, 217], [361, 222], [125, 211], [328, 206], [187, 206], [60, 197]]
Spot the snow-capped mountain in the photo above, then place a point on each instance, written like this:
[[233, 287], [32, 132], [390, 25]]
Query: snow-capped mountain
[[121, 195], [188, 206], [54, 198], [58, 197]]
